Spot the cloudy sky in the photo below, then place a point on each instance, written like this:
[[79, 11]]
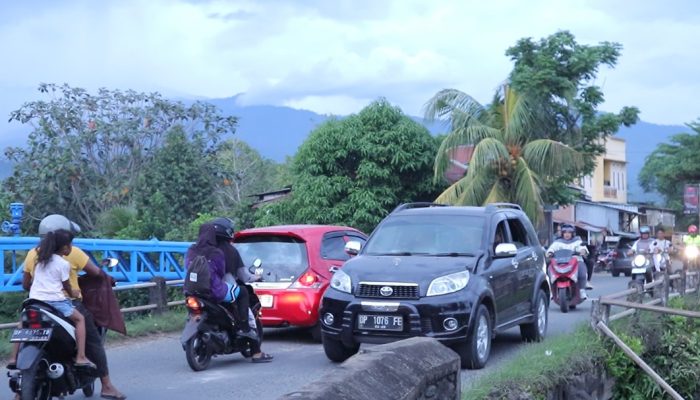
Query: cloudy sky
[[334, 56]]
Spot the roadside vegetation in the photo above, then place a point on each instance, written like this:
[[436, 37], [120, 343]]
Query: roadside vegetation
[[669, 344]]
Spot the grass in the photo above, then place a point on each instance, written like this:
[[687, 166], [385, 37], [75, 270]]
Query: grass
[[145, 325], [540, 366]]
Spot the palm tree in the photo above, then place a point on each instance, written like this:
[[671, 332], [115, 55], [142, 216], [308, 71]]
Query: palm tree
[[511, 159]]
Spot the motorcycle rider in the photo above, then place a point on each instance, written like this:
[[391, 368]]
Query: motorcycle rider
[[213, 236], [643, 245], [692, 239], [567, 241], [79, 261], [659, 246]]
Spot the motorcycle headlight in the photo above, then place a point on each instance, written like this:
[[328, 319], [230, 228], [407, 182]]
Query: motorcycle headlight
[[639, 261], [341, 281], [691, 251], [448, 283]]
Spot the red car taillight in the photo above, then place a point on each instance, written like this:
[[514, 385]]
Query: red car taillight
[[194, 305], [307, 280]]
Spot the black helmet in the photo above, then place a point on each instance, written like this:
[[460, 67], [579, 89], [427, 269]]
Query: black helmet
[[568, 228], [223, 227]]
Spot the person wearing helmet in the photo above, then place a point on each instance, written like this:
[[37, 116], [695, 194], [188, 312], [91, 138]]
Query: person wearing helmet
[[643, 245], [79, 261], [570, 242], [213, 243], [661, 248]]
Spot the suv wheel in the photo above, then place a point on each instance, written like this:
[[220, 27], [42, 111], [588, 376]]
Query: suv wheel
[[475, 351], [337, 351], [536, 330]]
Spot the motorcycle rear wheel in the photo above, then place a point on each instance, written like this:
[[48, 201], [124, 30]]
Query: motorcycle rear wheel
[[197, 353], [89, 390], [35, 384]]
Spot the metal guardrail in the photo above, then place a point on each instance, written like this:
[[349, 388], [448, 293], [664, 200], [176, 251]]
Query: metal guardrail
[[685, 283], [139, 260], [158, 300]]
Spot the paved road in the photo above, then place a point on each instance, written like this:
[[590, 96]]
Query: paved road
[[155, 368]]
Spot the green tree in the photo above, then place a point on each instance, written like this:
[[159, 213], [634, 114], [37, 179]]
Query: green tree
[[668, 168], [87, 151], [355, 170], [558, 75], [511, 157], [177, 185]]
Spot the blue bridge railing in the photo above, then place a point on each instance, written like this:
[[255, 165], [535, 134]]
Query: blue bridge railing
[[139, 260]]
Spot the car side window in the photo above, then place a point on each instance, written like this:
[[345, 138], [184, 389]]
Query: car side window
[[519, 233], [500, 235], [333, 246]]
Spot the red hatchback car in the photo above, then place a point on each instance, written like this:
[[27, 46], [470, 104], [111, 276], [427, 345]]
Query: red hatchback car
[[297, 264]]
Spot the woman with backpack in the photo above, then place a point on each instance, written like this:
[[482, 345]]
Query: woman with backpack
[[206, 251]]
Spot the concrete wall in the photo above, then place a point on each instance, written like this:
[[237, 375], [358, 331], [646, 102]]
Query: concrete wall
[[419, 368]]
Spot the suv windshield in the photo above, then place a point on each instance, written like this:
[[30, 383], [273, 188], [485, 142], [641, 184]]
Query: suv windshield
[[429, 234], [283, 258]]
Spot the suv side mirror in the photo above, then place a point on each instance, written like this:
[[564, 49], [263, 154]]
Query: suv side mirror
[[506, 250], [353, 247]]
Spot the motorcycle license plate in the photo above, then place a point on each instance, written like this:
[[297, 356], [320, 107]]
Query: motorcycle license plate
[[639, 270], [266, 300], [31, 335]]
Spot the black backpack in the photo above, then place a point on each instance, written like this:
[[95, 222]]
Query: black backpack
[[197, 277]]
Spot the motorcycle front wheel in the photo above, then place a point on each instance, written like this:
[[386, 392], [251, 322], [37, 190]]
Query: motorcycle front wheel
[[197, 353], [563, 300], [35, 384]]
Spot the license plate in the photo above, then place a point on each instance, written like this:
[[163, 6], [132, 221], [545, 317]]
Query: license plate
[[639, 270], [31, 335], [380, 322], [266, 300]]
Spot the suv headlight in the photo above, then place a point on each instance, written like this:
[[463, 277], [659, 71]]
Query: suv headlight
[[341, 281], [639, 261], [448, 283]]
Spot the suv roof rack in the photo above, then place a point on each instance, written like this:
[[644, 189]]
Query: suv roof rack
[[491, 207], [422, 204]]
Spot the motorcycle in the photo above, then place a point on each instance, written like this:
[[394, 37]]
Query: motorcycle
[[211, 330], [45, 366], [642, 265], [563, 273], [604, 260]]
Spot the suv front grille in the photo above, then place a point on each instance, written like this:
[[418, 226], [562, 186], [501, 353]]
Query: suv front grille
[[398, 291]]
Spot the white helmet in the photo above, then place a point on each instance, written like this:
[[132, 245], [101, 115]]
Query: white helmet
[[55, 222]]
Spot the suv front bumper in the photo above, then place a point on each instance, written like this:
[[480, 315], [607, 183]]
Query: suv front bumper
[[421, 317]]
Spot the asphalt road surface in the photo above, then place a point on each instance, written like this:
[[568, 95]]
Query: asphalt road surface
[[155, 368]]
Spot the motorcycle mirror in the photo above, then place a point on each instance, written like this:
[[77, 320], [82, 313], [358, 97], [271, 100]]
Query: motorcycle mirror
[[110, 262]]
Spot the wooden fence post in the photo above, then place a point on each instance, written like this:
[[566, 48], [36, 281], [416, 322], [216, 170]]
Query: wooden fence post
[[681, 290], [158, 295], [667, 285]]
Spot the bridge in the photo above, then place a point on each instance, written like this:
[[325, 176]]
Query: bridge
[[139, 260]]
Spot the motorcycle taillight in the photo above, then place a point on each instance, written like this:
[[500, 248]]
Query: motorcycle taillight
[[33, 319], [194, 305]]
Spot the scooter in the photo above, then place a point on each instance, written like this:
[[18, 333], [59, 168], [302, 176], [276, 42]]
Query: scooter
[[45, 366], [642, 266], [563, 274], [211, 329]]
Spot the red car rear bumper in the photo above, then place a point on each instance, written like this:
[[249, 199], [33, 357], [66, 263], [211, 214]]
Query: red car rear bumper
[[296, 307]]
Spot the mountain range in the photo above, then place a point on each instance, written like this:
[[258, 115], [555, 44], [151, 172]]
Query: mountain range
[[276, 132]]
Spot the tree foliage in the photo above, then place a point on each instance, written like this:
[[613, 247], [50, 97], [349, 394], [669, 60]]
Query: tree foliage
[[511, 157], [558, 75], [668, 168], [86, 151], [355, 170]]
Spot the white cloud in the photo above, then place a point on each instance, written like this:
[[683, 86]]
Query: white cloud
[[334, 57]]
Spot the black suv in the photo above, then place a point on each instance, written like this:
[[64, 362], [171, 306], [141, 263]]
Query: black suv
[[457, 274]]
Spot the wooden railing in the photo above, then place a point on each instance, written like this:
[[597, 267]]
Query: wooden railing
[[682, 283], [157, 295]]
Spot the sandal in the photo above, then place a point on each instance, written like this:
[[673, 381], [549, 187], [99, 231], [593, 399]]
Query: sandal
[[88, 364], [264, 357]]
